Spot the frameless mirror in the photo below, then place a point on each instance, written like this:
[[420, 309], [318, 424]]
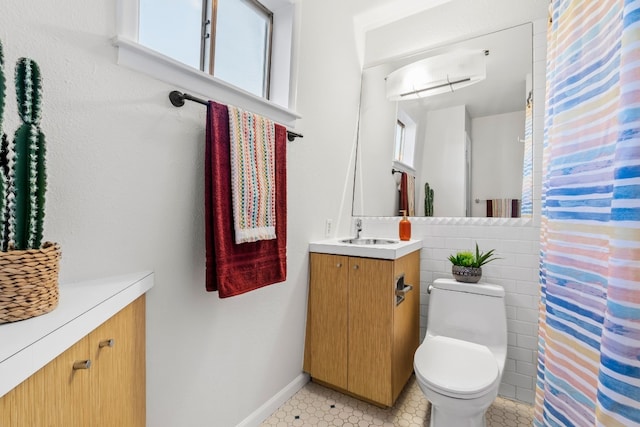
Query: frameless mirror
[[472, 147]]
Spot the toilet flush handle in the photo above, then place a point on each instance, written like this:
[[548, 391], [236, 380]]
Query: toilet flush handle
[[429, 289]]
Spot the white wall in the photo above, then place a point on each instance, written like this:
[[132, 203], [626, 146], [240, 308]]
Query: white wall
[[379, 193], [443, 161], [126, 194], [449, 22], [496, 141]]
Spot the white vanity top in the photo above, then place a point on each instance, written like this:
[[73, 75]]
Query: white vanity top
[[28, 345], [385, 251]]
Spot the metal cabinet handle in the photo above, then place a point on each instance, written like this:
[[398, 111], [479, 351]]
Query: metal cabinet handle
[[339, 265], [81, 364], [107, 343], [355, 267]]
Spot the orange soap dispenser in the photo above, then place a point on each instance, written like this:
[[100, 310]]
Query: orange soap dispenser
[[404, 227]]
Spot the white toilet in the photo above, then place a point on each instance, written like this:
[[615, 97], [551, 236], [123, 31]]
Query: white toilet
[[459, 364]]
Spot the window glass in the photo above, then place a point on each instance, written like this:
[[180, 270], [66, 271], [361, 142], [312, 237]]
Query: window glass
[[243, 33], [183, 30], [173, 28], [399, 142]]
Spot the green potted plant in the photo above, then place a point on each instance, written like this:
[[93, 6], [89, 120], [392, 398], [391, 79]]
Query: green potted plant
[[467, 266], [28, 266]]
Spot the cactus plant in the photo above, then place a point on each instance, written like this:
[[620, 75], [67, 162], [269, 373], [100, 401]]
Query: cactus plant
[[428, 200], [23, 177], [29, 172], [4, 163]]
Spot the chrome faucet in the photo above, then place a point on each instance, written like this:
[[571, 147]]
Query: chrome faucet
[[358, 228]]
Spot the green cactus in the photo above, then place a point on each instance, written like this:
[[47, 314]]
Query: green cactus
[[4, 163], [5, 236], [428, 200], [29, 173]]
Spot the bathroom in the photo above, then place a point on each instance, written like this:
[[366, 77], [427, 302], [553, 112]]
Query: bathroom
[[125, 194]]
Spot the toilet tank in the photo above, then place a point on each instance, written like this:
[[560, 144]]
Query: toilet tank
[[473, 312]]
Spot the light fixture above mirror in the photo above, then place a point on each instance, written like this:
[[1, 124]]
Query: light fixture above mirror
[[438, 74]]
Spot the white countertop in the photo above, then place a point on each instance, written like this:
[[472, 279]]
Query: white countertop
[[385, 251], [28, 345]]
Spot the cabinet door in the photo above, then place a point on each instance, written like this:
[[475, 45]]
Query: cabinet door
[[7, 410], [406, 322], [117, 348], [56, 395], [371, 302], [326, 348]]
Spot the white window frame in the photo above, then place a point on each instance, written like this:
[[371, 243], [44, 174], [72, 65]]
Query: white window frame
[[281, 106], [409, 143]]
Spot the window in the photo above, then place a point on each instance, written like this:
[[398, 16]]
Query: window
[[404, 141], [210, 34], [243, 26], [399, 148], [181, 25]]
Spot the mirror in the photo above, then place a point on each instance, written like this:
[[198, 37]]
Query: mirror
[[472, 145]]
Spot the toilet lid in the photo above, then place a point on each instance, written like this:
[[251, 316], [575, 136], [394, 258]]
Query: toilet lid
[[455, 368]]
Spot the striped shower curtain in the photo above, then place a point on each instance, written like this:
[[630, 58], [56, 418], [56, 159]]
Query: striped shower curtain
[[589, 341]]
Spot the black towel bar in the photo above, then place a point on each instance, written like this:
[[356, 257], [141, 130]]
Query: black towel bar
[[177, 99]]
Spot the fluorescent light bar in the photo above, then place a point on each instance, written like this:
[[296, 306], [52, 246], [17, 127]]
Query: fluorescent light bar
[[436, 74], [448, 84]]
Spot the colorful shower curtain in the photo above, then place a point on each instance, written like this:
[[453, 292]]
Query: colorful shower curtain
[[589, 342]]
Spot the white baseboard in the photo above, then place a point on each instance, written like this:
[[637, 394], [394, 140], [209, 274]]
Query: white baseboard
[[270, 406]]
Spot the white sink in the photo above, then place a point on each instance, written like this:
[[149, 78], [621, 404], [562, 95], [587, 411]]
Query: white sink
[[367, 247], [365, 241]]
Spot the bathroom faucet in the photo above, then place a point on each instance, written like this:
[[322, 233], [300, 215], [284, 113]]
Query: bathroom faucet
[[358, 228]]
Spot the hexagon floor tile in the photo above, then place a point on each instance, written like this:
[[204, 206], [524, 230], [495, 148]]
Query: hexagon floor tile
[[317, 406]]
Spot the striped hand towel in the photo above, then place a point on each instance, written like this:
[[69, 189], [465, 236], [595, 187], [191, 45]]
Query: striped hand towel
[[252, 176]]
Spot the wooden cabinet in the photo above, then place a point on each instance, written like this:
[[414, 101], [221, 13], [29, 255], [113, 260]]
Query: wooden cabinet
[[360, 337], [109, 392]]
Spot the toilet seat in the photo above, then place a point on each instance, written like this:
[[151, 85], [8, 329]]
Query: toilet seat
[[456, 368]]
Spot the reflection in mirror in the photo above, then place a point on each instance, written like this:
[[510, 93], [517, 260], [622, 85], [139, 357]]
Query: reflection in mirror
[[464, 152]]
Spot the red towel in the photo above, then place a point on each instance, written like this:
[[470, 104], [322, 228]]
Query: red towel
[[233, 269], [403, 202]]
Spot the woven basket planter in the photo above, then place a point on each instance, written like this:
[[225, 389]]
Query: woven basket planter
[[29, 282]]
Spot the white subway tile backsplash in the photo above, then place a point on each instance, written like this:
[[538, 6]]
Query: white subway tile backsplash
[[518, 300], [526, 368], [517, 273], [528, 288], [518, 380], [522, 328], [525, 395], [529, 342], [516, 247], [527, 315], [458, 243], [433, 265], [507, 390], [433, 242], [522, 354], [526, 260]]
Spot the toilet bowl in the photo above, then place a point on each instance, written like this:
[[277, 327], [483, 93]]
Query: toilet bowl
[[459, 364]]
